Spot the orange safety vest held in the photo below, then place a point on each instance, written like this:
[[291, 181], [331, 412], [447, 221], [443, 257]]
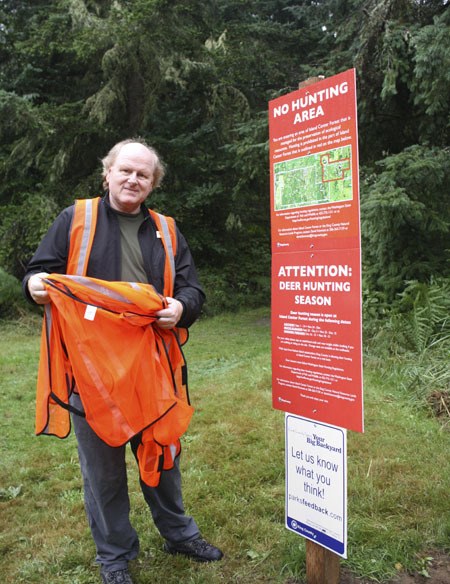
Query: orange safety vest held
[[98, 339]]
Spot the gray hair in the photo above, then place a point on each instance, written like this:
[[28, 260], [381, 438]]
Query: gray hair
[[158, 172]]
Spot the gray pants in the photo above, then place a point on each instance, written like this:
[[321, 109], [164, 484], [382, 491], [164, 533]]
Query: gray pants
[[108, 505]]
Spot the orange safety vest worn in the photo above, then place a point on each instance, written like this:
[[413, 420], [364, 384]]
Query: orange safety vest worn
[[82, 236], [98, 339]]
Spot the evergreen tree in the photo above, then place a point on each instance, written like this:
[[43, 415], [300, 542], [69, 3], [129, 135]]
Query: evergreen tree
[[406, 219]]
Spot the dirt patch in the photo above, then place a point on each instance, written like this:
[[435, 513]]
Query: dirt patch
[[440, 404], [438, 573]]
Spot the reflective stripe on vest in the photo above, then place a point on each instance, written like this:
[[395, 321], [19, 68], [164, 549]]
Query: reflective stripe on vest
[[82, 233], [167, 236]]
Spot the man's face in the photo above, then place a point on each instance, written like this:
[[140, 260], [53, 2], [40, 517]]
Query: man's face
[[130, 178]]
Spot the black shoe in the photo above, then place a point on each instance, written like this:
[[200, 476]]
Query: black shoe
[[198, 549], [117, 577]]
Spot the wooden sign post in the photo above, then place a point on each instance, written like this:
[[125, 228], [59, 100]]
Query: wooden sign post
[[310, 81], [322, 565]]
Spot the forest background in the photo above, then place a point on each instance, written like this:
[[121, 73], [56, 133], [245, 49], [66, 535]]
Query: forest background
[[194, 79]]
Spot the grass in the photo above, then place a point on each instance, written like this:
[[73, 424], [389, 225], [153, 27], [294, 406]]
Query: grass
[[233, 471]]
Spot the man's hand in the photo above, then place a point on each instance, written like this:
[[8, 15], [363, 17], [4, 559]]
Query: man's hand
[[169, 317], [37, 289]]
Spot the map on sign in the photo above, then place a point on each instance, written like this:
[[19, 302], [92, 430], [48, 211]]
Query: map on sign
[[324, 177]]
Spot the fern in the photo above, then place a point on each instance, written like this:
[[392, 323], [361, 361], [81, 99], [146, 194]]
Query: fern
[[414, 344], [428, 320]]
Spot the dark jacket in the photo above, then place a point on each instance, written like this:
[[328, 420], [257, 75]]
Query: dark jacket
[[105, 259]]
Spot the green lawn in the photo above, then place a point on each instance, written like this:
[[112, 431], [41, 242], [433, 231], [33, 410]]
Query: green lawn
[[233, 468]]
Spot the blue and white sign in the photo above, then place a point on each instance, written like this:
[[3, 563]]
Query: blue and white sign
[[316, 482]]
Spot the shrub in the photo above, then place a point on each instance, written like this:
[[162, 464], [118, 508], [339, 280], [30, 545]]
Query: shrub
[[228, 291], [12, 302], [22, 227]]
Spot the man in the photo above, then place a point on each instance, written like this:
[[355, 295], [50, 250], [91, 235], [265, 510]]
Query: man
[[126, 247]]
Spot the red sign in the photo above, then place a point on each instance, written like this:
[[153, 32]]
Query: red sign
[[316, 265]]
